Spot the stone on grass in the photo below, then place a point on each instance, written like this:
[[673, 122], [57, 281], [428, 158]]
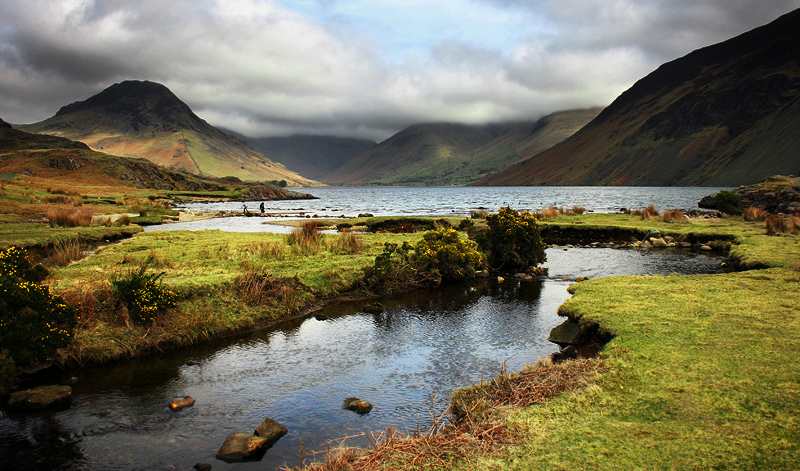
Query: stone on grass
[[42, 397], [356, 405], [242, 447], [271, 430]]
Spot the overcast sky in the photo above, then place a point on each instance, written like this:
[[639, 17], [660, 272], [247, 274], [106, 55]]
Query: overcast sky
[[362, 68]]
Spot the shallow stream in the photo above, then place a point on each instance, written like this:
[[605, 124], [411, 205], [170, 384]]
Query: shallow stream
[[406, 361]]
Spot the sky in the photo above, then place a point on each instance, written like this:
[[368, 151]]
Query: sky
[[354, 68]]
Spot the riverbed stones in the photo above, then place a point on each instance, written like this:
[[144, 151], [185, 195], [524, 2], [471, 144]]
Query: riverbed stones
[[356, 405], [43, 397], [185, 401], [242, 447], [658, 243], [271, 430]]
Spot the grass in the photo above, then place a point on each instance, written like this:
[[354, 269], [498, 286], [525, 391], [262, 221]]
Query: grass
[[222, 280]]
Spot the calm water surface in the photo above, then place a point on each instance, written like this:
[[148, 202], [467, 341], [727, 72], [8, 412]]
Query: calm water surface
[[406, 361]]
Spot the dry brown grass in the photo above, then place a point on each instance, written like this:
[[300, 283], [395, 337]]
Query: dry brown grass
[[64, 199], [782, 225], [545, 214], [306, 237], [347, 243], [673, 215], [649, 213], [477, 433], [65, 217], [478, 214], [754, 214], [66, 252]]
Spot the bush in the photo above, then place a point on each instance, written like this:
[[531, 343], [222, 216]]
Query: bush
[[728, 202], [34, 323], [143, 294], [440, 257], [512, 240]]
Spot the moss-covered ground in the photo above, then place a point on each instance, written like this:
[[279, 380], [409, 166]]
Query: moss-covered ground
[[702, 373]]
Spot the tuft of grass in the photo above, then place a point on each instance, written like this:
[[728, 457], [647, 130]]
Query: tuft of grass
[[754, 214], [347, 243], [782, 225], [673, 215], [650, 213], [69, 217], [306, 237], [66, 252]]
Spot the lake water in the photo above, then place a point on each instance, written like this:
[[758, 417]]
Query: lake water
[[459, 201], [406, 361]]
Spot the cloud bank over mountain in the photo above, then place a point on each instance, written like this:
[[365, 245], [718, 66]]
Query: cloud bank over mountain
[[351, 67]]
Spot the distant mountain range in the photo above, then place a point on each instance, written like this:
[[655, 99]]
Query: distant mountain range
[[309, 155], [145, 119], [723, 115], [455, 154]]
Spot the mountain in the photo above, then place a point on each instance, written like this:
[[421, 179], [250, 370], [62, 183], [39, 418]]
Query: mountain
[[309, 155], [421, 154], [73, 164], [145, 119], [522, 141], [724, 115]]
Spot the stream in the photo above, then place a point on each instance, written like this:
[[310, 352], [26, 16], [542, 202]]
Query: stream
[[406, 361]]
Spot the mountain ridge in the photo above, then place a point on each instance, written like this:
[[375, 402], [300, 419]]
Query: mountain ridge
[[719, 116]]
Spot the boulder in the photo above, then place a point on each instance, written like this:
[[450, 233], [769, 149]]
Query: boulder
[[566, 333], [42, 397], [356, 405], [271, 430], [653, 233], [658, 243], [581, 278], [202, 467], [242, 447]]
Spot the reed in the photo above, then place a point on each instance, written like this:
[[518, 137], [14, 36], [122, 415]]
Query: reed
[[66, 252], [69, 217]]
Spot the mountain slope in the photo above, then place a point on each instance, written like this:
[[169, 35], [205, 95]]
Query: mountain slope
[[724, 115], [310, 156], [145, 119], [521, 142], [418, 155]]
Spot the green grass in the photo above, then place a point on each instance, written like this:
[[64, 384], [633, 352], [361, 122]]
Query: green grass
[[202, 267], [703, 372]]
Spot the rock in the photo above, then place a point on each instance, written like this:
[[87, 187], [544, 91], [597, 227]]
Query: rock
[[653, 233], [356, 405], [566, 278], [522, 276], [658, 243], [192, 363], [202, 467], [242, 447], [566, 333], [365, 215], [271, 430], [321, 317], [500, 279], [685, 245], [540, 271], [187, 401], [42, 397], [581, 278], [706, 248]]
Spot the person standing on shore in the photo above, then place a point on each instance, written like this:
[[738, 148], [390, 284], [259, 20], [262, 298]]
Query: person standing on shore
[[261, 208]]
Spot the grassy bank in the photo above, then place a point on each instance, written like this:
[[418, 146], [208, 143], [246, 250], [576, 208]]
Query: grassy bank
[[225, 282], [702, 374]]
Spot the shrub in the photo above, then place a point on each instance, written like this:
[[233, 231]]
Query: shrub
[[512, 240], [728, 202], [34, 323], [445, 255], [440, 257], [143, 294], [465, 224]]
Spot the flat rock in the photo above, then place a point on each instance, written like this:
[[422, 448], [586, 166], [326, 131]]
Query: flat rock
[[186, 401], [242, 447], [42, 397]]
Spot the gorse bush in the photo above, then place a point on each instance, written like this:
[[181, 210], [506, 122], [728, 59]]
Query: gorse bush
[[728, 202], [440, 257], [34, 323], [512, 240], [143, 294], [444, 254]]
